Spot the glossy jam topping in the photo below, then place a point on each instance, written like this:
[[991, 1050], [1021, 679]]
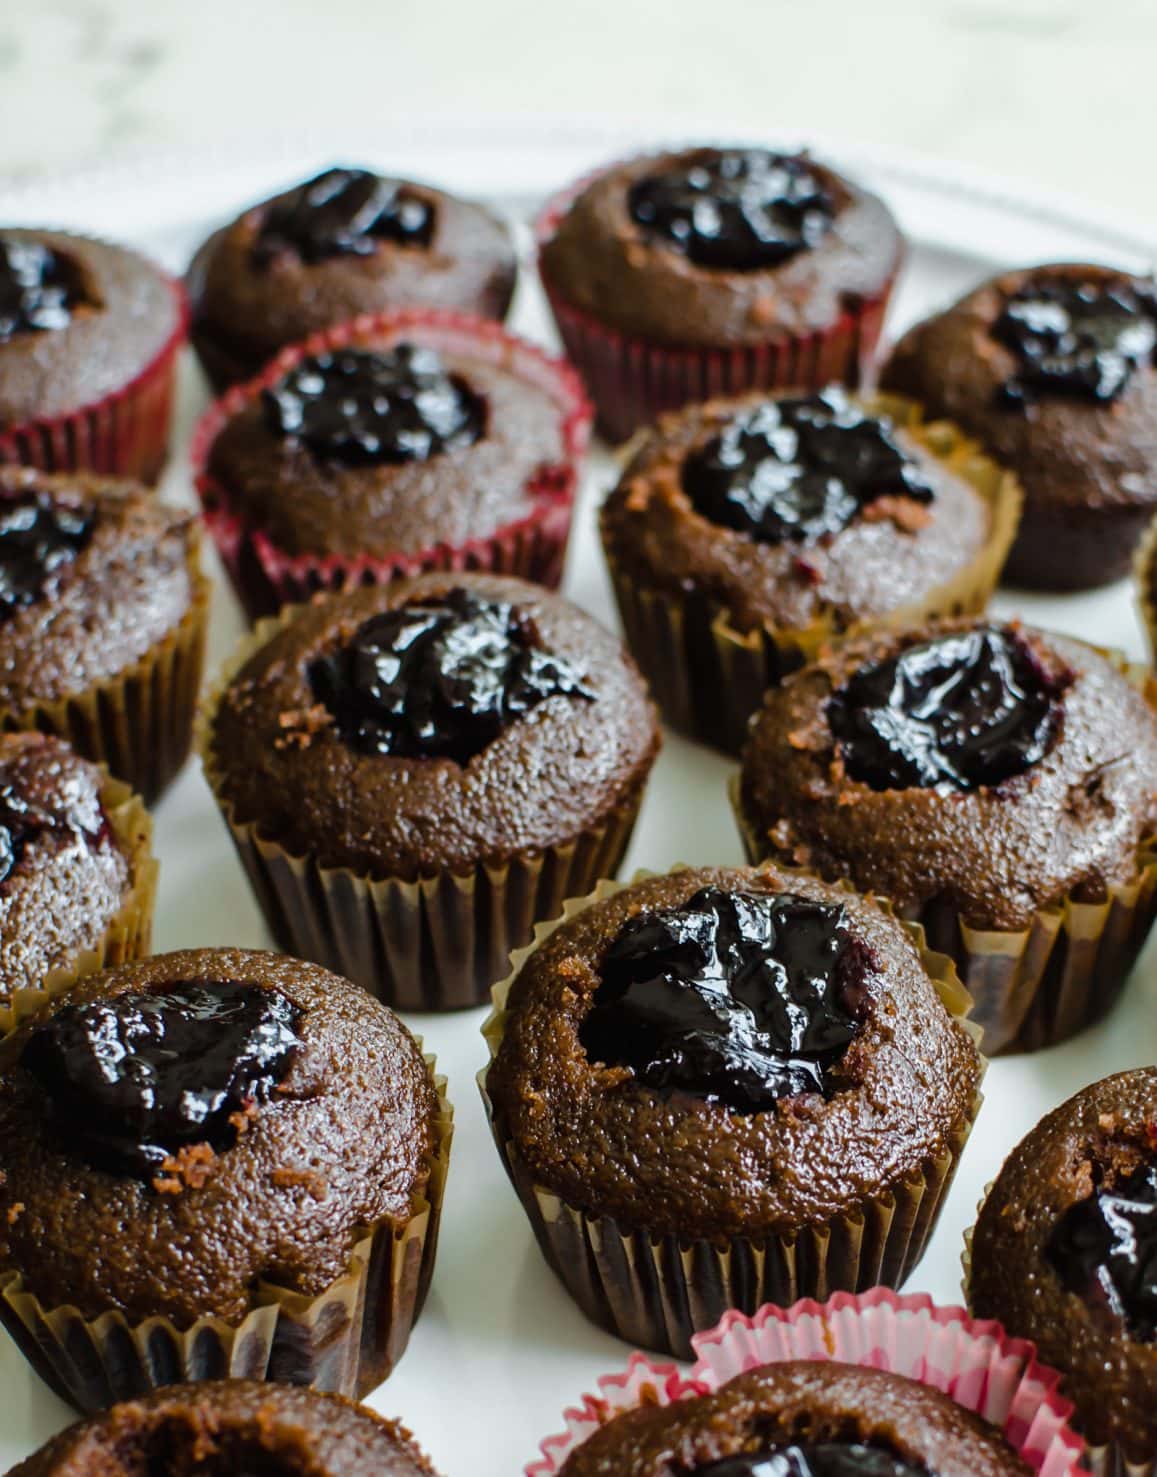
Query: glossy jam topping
[[1080, 339], [39, 539], [440, 678], [799, 469], [22, 821], [133, 1080], [344, 212], [1104, 1250], [363, 408], [38, 288], [963, 710], [736, 210], [822, 1459], [739, 998]]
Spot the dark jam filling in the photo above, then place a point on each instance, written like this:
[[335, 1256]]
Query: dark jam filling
[[439, 679], [343, 212], [38, 289], [362, 408], [738, 998], [1104, 1249], [1081, 339], [135, 1079], [22, 823], [822, 1459], [38, 540], [954, 713], [736, 210], [799, 469]]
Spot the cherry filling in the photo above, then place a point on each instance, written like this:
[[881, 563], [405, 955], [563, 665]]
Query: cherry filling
[[799, 469], [961, 711], [363, 408], [38, 288], [1080, 339], [737, 210], [133, 1080], [737, 998], [343, 212], [823, 1459], [39, 539], [440, 678], [1104, 1249]]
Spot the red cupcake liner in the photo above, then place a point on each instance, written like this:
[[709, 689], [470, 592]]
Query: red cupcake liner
[[124, 435], [266, 577], [632, 381]]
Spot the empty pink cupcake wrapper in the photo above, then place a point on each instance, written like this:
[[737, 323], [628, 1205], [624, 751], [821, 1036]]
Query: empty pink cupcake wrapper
[[124, 435], [534, 547], [973, 1362]]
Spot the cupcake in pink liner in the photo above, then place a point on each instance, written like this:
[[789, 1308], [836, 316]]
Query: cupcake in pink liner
[[89, 335], [391, 446], [690, 274], [890, 1375]]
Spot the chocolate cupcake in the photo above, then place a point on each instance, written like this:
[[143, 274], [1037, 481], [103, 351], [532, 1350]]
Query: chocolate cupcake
[[802, 1419], [1065, 1254], [387, 447], [415, 775], [89, 334], [721, 1087], [223, 1427], [254, 1191], [345, 243], [744, 534], [103, 613], [678, 277], [998, 785], [77, 876], [1054, 371]]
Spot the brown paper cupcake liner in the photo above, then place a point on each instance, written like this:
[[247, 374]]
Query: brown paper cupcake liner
[[128, 934], [657, 1291], [346, 1340], [1145, 577], [708, 677], [433, 943]]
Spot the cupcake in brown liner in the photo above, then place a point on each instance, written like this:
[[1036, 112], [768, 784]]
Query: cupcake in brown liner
[[77, 875], [89, 335], [417, 774], [346, 243], [998, 784], [718, 1088], [745, 534], [103, 614], [1065, 1253], [388, 446], [266, 1207], [231, 1426], [1054, 370], [682, 276]]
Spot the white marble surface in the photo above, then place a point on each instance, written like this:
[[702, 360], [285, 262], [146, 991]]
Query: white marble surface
[[1056, 93]]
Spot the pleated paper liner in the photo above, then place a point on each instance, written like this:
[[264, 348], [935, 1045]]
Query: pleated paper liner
[[657, 1291], [633, 380], [128, 934], [125, 434], [533, 547], [1145, 577], [435, 943], [709, 677], [347, 1339]]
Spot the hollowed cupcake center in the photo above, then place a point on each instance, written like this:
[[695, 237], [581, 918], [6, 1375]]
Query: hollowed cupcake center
[[39, 288], [151, 1084], [823, 1459], [361, 407], [800, 469], [735, 210], [739, 998], [39, 539], [343, 212], [962, 711], [440, 678], [198, 1445]]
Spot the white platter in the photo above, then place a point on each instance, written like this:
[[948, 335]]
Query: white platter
[[500, 1350]]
